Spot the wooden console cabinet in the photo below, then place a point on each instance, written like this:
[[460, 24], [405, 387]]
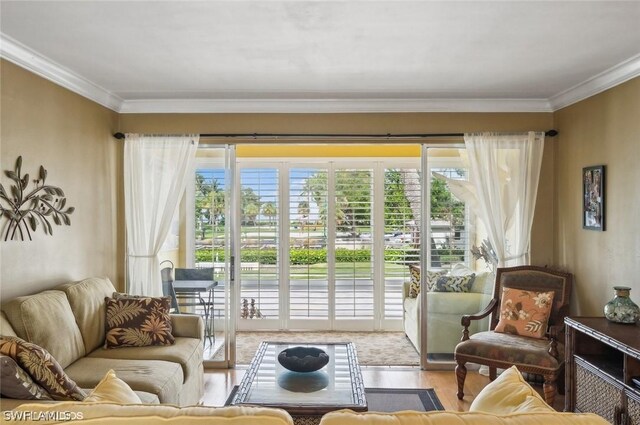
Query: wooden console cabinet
[[601, 359]]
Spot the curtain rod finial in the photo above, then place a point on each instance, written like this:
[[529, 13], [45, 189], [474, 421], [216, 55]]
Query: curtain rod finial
[[119, 135], [551, 133]]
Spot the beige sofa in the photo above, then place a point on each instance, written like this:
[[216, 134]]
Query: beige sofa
[[69, 322], [509, 400], [445, 309]]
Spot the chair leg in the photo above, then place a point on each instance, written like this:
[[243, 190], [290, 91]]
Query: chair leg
[[492, 373], [461, 374], [549, 387]]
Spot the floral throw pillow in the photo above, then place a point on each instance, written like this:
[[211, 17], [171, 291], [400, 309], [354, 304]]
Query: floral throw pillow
[[414, 285], [43, 369], [454, 283], [16, 383], [138, 322], [524, 313]]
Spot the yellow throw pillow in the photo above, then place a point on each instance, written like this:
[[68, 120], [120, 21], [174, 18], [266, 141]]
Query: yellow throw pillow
[[113, 390], [509, 393]]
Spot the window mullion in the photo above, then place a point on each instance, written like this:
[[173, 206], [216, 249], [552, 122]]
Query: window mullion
[[331, 242], [284, 244], [377, 237]]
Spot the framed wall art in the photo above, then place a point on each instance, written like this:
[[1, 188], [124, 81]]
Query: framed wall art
[[593, 211]]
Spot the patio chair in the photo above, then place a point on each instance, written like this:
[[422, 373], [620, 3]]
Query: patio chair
[[167, 285]]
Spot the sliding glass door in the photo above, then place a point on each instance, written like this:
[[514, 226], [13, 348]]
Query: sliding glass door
[[328, 244], [210, 223]]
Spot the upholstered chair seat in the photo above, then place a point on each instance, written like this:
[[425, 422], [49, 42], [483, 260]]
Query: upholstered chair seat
[[511, 349]]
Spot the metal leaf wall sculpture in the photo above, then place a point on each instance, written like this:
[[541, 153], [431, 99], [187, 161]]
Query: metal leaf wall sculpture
[[26, 210]]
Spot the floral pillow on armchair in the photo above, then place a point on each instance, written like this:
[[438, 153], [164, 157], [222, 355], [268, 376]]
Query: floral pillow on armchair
[[524, 313]]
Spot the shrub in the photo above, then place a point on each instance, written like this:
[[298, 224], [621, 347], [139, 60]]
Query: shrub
[[304, 257]]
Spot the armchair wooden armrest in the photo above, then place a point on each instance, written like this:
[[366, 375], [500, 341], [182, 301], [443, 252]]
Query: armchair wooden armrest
[[467, 318]]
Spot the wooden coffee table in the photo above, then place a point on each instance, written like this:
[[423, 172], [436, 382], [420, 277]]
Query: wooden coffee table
[[336, 386]]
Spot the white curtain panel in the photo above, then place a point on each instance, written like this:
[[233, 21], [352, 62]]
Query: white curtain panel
[[504, 170], [156, 169]]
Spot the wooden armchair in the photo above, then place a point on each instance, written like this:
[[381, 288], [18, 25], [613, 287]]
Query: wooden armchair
[[502, 350]]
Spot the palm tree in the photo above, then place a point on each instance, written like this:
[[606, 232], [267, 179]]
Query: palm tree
[[269, 210], [251, 211], [303, 212]]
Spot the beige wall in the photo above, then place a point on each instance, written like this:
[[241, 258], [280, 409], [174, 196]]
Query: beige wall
[[71, 137], [604, 129], [542, 238]]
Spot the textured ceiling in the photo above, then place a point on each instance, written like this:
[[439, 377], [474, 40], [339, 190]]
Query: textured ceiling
[[329, 50]]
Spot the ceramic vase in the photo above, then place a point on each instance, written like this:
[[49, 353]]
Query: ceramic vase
[[621, 309]]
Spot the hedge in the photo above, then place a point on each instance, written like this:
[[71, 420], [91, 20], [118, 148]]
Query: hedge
[[301, 256]]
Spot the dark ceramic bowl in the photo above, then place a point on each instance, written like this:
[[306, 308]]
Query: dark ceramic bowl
[[303, 359]]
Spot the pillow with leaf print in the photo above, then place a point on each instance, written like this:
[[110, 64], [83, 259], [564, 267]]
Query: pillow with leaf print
[[454, 283], [524, 313], [16, 383], [42, 368], [414, 286], [138, 322]]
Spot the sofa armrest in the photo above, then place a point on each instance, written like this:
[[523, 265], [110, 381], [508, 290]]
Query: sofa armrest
[[405, 289], [188, 325]]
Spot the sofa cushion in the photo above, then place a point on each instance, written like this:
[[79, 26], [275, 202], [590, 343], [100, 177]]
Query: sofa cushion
[[42, 367], [153, 376], [447, 303], [155, 414], [483, 283], [348, 417], [46, 319], [147, 398], [16, 383], [138, 322], [512, 349], [5, 326], [187, 352], [86, 298], [113, 390], [509, 393]]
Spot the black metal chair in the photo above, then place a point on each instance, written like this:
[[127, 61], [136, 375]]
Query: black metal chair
[[192, 297], [167, 285]]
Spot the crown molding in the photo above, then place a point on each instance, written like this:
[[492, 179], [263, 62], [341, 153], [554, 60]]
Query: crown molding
[[33, 61], [617, 74], [332, 105]]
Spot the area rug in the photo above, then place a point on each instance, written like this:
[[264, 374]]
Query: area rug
[[392, 399], [396, 399], [373, 348]]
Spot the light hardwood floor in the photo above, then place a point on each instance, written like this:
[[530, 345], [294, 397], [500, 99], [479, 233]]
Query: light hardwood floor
[[220, 382]]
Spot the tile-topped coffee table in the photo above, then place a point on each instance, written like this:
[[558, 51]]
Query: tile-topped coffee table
[[336, 386]]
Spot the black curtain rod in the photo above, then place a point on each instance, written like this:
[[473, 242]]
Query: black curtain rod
[[120, 136]]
